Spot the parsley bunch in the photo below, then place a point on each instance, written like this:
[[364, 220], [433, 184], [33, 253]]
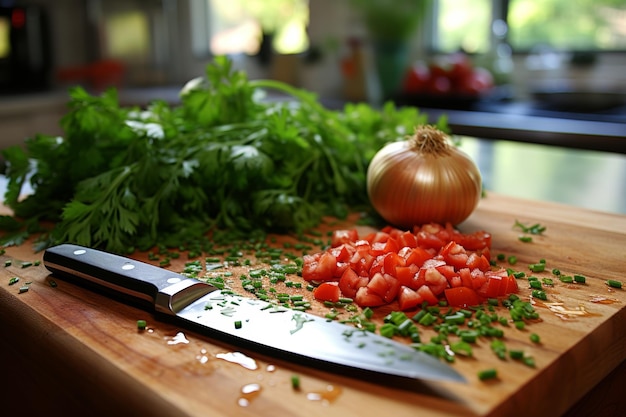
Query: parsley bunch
[[125, 178]]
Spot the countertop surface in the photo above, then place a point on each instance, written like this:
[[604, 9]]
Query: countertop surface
[[522, 121]]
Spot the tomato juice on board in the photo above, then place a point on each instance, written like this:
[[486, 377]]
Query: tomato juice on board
[[411, 267]]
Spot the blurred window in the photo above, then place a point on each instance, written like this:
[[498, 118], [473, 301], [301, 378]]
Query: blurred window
[[571, 25], [574, 25], [128, 36], [236, 26], [5, 46], [462, 25]]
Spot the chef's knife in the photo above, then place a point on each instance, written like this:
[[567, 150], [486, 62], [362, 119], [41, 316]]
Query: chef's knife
[[247, 322]]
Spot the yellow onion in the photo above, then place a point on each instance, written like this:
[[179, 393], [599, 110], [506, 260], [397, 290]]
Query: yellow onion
[[423, 179]]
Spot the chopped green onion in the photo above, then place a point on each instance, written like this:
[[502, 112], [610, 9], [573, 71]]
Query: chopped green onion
[[427, 320], [295, 382], [238, 324], [580, 279], [525, 239], [614, 283], [141, 325], [387, 330], [13, 280], [538, 267], [486, 374], [566, 279], [498, 347], [534, 337]]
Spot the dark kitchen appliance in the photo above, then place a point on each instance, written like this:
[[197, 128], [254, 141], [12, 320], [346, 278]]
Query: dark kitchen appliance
[[25, 56]]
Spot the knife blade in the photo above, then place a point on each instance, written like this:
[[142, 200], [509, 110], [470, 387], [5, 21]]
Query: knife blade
[[248, 322]]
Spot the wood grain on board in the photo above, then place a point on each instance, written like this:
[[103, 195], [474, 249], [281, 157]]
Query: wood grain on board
[[70, 349]]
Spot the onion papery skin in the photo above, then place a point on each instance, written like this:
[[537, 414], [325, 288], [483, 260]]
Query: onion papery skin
[[410, 187]]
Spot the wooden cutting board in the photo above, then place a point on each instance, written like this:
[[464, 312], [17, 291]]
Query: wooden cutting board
[[71, 350]]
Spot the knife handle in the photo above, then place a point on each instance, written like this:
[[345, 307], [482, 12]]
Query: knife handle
[[166, 290]]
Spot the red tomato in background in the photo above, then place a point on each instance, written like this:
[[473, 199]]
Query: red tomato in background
[[439, 85], [416, 79], [460, 67], [475, 82], [452, 75]]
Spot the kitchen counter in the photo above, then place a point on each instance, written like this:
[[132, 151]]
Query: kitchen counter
[[532, 122], [593, 180], [524, 121]]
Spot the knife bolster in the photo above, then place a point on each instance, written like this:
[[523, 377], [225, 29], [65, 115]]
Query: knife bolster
[[172, 299]]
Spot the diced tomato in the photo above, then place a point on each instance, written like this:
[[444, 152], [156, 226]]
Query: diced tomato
[[435, 281], [454, 254], [327, 291], [377, 237], [362, 260], [409, 276], [447, 271], [391, 261], [385, 286], [466, 277], [319, 269], [429, 240], [366, 298], [408, 298], [462, 297], [340, 237], [511, 286], [407, 239], [341, 267], [478, 261], [417, 256], [433, 263], [478, 278], [391, 246], [474, 241], [350, 282], [427, 295], [495, 286], [377, 248], [343, 252], [502, 277], [409, 267], [455, 281], [377, 265]]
